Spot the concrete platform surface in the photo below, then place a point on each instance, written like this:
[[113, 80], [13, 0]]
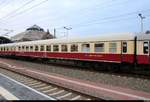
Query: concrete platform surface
[[13, 90]]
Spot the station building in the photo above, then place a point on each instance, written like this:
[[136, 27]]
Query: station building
[[32, 33]]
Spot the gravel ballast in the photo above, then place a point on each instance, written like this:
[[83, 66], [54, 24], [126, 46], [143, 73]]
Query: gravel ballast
[[94, 76]]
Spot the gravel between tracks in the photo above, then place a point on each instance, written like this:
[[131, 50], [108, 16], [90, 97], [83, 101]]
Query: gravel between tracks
[[127, 82]]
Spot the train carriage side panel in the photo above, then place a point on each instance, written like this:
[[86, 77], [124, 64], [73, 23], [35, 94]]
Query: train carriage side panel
[[143, 52], [128, 51]]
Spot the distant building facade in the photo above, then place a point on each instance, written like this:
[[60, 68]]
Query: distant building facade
[[33, 33]]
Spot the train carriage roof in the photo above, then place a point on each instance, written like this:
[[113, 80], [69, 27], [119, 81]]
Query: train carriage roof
[[108, 37]]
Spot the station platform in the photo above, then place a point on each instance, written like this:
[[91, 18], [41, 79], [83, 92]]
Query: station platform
[[13, 90]]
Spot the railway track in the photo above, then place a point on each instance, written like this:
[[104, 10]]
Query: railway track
[[135, 74], [56, 92]]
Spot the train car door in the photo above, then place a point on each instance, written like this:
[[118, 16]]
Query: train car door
[[124, 51], [146, 51]]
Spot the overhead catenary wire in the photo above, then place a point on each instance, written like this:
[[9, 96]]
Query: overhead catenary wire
[[28, 9], [4, 3], [114, 17], [104, 4], [105, 19], [13, 12], [1, 3], [120, 17]]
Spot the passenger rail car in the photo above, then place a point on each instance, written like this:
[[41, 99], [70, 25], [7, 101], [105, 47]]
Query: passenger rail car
[[116, 48]]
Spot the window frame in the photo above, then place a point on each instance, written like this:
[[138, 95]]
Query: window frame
[[147, 47], [74, 48], [64, 50], [47, 48], [99, 47], [111, 48], [36, 48], [86, 48], [31, 48], [42, 48], [124, 47], [57, 46]]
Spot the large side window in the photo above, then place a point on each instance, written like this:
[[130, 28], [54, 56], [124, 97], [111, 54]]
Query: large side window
[[42, 48], [64, 48], [19, 48], [48, 48], [2, 49], [27, 48], [31, 48], [99, 47], [124, 47], [146, 47], [112, 47], [74, 48], [55, 48], [36, 48], [85, 47], [23, 48]]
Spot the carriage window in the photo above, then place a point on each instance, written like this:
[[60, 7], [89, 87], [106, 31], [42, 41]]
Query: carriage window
[[11, 49], [145, 49], [6, 48], [112, 47], [19, 48], [42, 48], [23, 48], [55, 48], [48, 48], [14, 48], [124, 47], [27, 48], [31, 48], [74, 48], [99, 47], [86, 48], [36, 48], [64, 48], [3, 49]]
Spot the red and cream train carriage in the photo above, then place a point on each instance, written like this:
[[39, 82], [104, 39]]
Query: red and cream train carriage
[[114, 48]]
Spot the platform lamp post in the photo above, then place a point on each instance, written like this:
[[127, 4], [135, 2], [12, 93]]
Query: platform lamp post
[[142, 18], [67, 28]]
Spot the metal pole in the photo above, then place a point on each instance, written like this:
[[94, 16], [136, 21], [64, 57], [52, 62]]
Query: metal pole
[[67, 29], [54, 33], [142, 18], [142, 25]]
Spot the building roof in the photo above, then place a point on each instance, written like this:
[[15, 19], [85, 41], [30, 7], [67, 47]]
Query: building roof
[[4, 40], [31, 34], [35, 28]]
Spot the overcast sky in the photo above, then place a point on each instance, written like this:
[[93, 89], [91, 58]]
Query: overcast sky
[[85, 17]]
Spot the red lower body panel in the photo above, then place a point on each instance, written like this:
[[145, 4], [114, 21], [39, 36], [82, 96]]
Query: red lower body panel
[[87, 56], [77, 56], [143, 59], [118, 58], [129, 58]]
